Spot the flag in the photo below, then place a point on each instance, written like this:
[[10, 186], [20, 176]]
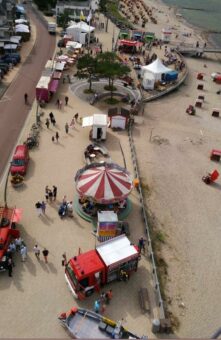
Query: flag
[[89, 17], [82, 17]]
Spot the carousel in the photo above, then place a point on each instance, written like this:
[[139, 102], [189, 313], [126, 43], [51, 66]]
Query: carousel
[[103, 190]]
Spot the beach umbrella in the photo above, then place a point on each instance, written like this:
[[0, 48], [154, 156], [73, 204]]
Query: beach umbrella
[[104, 183]]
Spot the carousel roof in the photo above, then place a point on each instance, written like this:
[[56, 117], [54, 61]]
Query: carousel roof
[[104, 183]]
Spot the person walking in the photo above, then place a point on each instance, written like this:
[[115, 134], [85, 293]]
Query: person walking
[[45, 253], [60, 104], [47, 123], [46, 193], [36, 250], [54, 192], [57, 136], [50, 195], [10, 267], [64, 261], [57, 103], [72, 123], [66, 100], [66, 128], [108, 296], [43, 207], [38, 208], [53, 121], [26, 98], [141, 245], [76, 116], [51, 116], [23, 252]]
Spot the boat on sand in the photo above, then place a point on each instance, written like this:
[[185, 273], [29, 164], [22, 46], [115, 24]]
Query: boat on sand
[[83, 323]]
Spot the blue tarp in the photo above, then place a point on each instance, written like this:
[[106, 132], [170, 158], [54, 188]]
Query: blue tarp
[[170, 76]]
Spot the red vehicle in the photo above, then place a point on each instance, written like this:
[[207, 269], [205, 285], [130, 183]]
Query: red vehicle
[[20, 160], [7, 233], [112, 260]]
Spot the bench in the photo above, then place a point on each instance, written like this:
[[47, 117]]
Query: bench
[[144, 299]]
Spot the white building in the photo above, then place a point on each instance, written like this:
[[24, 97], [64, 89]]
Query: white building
[[76, 8]]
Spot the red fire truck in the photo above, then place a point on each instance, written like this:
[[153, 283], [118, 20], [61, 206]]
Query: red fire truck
[[7, 233], [89, 271]]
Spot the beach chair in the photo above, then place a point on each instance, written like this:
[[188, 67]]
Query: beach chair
[[210, 178]]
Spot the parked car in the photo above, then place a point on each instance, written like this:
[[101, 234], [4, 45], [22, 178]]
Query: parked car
[[20, 160], [8, 60], [4, 67], [14, 55]]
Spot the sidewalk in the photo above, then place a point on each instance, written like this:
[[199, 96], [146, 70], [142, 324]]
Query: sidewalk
[[38, 288]]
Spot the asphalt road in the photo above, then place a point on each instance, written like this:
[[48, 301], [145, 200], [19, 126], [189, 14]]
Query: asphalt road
[[13, 111]]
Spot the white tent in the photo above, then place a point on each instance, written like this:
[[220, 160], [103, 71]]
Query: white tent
[[148, 81], [157, 68], [21, 21], [79, 31]]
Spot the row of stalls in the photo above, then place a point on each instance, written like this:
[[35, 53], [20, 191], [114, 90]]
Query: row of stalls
[[49, 81], [145, 37]]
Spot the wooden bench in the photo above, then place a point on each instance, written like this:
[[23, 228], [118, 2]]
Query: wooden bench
[[144, 299]]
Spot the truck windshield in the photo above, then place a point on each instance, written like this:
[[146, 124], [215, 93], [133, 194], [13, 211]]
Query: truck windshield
[[71, 275], [18, 162]]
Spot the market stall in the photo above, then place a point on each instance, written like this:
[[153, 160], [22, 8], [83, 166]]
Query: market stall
[[99, 123], [156, 68]]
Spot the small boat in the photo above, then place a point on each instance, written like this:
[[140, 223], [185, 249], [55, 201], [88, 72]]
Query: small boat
[[82, 323]]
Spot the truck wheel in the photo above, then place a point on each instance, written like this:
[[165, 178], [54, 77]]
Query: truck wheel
[[89, 292]]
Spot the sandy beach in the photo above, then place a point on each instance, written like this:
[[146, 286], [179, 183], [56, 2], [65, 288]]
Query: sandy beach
[[172, 164], [173, 153]]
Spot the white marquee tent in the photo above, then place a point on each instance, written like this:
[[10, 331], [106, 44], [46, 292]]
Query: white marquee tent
[[156, 68]]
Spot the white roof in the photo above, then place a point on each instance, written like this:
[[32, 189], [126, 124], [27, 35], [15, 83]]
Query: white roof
[[43, 82], [81, 26], [116, 250], [100, 119], [107, 216], [20, 21], [10, 46], [149, 76], [87, 121], [59, 66], [156, 67], [73, 44], [97, 119], [49, 64]]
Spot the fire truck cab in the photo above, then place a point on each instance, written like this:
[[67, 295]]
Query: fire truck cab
[[89, 271]]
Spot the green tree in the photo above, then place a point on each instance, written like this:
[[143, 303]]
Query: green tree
[[109, 67], [63, 19], [87, 68]]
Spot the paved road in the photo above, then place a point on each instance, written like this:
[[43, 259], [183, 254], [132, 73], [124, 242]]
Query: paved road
[[13, 111]]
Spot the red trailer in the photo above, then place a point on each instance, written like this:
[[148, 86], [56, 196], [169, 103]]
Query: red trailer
[[112, 260], [42, 89]]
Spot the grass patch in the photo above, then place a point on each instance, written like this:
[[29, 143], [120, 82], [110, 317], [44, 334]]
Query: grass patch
[[88, 91], [111, 101], [110, 88]]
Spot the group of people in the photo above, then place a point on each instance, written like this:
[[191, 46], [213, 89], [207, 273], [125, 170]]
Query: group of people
[[100, 304], [66, 208], [19, 246], [51, 194], [37, 253]]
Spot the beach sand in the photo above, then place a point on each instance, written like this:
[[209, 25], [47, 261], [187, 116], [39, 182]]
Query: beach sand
[[186, 210]]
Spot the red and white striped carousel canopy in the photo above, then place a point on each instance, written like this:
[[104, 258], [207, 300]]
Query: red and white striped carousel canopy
[[104, 183]]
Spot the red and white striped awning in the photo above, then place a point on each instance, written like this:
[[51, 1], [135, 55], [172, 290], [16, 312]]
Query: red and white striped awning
[[104, 183]]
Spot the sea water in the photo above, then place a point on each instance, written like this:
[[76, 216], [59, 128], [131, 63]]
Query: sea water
[[206, 14]]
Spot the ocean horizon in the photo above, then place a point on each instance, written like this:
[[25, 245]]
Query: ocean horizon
[[204, 14]]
